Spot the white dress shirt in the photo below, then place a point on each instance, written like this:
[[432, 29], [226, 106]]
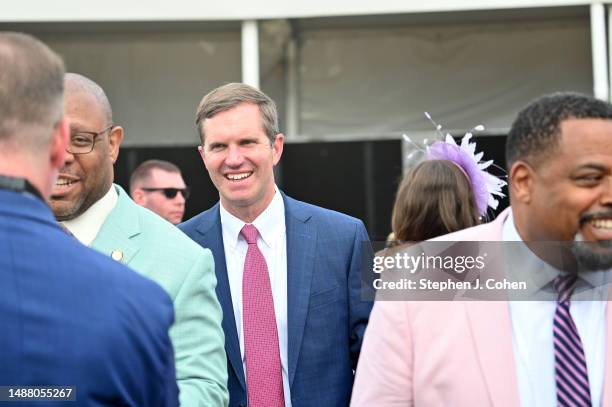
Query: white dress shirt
[[532, 336], [272, 242], [86, 226]]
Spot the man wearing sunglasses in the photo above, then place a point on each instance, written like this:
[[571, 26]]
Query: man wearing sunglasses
[[100, 214], [158, 185]]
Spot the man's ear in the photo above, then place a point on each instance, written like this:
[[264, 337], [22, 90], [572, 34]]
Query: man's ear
[[115, 138], [59, 142], [138, 196], [202, 153], [521, 179], [277, 148]]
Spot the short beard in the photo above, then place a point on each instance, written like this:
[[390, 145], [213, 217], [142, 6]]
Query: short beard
[[590, 256], [81, 204], [64, 213]]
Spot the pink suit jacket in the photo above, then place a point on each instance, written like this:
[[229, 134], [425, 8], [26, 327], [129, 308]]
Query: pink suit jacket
[[445, 353]]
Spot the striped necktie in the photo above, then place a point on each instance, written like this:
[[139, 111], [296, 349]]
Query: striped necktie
[[571, 376]]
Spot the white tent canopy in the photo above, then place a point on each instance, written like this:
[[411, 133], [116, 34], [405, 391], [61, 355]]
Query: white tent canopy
[[352, 74]]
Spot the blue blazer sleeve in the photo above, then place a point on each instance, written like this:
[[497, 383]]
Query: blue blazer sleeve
[[360, 306]]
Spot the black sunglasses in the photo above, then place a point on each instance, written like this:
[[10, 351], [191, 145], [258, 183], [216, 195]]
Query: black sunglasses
[[170, 193]]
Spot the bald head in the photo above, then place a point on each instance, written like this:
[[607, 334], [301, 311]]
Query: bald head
[[88, 173], [76, 83]]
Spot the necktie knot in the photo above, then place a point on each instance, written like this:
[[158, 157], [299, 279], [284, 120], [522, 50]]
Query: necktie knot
[[564, 285], [250, 233]]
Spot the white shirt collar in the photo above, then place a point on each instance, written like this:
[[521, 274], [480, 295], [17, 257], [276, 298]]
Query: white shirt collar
[[509, 232], [86, 226], [527, 264], [270, 223]]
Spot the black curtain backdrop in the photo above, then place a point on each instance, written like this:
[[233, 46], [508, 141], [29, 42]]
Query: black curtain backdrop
[[358, 178]]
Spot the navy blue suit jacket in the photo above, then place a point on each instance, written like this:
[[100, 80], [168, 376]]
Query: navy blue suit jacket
[[326, 316], [70, 316]]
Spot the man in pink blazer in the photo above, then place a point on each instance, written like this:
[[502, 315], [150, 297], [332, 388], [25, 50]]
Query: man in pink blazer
[[510, 353]]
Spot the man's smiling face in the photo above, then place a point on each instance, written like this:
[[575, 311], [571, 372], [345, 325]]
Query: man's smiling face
[[572, 189], [85, 178], [240, 160]]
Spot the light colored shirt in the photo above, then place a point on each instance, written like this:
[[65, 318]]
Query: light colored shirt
[[86, 226], [272, 242], [532, 336]]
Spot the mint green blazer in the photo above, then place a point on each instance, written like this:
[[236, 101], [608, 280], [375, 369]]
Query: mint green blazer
[[157, 249]]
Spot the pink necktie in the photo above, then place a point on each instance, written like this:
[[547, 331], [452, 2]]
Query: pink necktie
[[263, 366]]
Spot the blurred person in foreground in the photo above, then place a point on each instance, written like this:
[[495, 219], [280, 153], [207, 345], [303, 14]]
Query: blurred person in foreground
[[289, 272], [158, 186], [100, 214], [69, 316], [509, 353]]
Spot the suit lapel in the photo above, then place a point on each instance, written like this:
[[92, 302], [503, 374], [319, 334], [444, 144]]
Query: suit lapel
[[116, 236], [301, 243], [494, 346], [494, 349], [212, 238]]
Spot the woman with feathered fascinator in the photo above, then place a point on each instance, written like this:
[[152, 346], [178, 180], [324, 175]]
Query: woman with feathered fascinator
[[450, 190]]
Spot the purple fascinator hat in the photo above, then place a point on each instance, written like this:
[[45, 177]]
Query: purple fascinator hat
[[486, 186]]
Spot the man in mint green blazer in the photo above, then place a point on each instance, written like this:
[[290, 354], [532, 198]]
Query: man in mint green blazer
[[103, 216]]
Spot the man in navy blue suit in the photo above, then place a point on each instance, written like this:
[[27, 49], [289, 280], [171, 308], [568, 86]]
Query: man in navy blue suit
[[71, 318], [289, 273]]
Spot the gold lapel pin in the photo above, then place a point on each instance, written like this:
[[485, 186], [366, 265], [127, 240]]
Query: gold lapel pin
[[117, 255]]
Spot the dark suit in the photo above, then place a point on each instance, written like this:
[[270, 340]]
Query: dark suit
[[326, 316], [73, 317]]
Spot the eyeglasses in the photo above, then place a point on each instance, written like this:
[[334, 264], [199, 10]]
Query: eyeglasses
[[83, 142], [170, 193]]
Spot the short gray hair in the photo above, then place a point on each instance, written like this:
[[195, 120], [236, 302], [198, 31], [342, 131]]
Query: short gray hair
[[142, 173], [31, 87], [228, 96], [76, 83]]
